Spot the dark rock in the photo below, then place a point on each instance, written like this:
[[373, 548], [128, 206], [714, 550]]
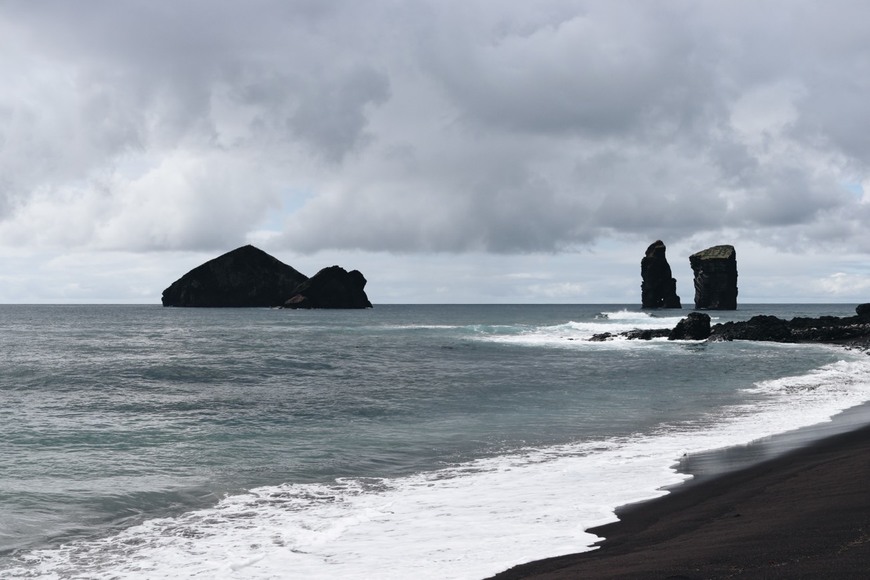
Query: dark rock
[[715, 278], [851, 331], [830, 329], [244, 277], [696, 326], [761, 327], [863, 311], [636, 334], [658, 289], [332, 287], [646, 334]]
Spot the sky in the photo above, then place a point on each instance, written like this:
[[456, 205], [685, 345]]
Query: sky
[[452, 151]]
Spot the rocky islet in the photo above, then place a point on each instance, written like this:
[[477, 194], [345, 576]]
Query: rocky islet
[[249, 277]]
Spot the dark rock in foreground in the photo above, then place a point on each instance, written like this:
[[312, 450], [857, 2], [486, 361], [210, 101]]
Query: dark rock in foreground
[[696, 326], [332, 287], [658, 289], [715, 272], [244, 277]]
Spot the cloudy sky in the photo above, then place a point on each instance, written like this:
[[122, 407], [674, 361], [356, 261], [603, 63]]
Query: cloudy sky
[[453, 151]]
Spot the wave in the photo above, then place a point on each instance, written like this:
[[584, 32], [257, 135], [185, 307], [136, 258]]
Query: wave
[[464, 521], [563, 335]]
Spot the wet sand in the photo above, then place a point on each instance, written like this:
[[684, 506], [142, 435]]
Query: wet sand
[[801, 514]]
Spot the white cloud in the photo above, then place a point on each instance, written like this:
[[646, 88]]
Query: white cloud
[[841, 284]]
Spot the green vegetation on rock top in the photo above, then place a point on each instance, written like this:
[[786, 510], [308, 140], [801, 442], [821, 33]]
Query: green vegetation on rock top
[[715, 253]]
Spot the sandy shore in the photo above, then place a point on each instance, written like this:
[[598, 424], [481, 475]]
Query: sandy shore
[[805, 514]]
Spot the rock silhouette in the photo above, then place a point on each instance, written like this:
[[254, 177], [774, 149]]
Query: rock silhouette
[[715, 272], [658, 288], [244, 277], [332, 287], [249, 277]]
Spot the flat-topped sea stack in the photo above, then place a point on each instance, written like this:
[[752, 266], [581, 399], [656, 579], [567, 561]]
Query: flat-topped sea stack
[[244, 277], [332, 287], [658, 288], [715, 278]]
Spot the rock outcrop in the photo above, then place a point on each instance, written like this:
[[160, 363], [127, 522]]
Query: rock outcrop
[[761, 327], [658, 288], [849, 331], [244, 277], [715, 278], [332, 287], [696, 326]]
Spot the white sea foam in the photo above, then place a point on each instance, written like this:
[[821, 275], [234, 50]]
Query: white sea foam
[[467, 521], [569, 334]]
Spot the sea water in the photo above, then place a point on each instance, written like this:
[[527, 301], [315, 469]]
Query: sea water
[[399, 442]]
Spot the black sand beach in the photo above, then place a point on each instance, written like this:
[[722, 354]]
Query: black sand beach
[[797, 506], [804, 514]]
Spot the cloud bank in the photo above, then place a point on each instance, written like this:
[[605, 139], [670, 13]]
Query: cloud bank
[[472, 127]]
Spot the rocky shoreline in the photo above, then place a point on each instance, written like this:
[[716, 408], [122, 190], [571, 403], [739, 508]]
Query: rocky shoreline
[[849, 331]]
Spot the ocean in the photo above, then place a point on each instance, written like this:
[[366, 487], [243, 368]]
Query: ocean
[[405, 441]]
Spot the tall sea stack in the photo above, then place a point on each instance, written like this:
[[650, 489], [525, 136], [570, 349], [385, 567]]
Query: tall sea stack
[[658, 289], [715, 278]]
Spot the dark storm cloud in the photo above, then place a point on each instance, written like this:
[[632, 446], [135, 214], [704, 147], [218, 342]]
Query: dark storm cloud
[[431, 126]]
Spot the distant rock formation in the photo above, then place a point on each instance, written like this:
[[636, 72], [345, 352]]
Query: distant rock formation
[[658, 289], [715, 278], [696, 326], [244, 277], [332, 287]]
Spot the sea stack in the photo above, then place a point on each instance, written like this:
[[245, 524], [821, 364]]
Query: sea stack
[[244, 277], [715, 278], [658, 289]]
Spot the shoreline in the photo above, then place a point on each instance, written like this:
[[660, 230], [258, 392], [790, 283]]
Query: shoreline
[[715, 463], [738, 518]]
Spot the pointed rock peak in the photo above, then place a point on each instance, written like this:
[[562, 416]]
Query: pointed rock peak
[[657, 248], [244, 277], [658, 288]]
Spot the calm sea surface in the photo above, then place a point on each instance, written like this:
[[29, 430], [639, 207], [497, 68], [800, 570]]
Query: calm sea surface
[[398, 442]]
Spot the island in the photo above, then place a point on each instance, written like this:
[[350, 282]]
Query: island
[[248, 277]]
